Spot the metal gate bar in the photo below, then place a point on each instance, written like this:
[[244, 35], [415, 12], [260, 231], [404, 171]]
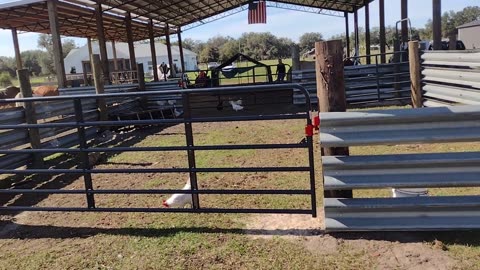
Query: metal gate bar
[[190, 148]]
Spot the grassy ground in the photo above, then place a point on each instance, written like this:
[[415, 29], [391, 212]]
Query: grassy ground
[[215, 241]]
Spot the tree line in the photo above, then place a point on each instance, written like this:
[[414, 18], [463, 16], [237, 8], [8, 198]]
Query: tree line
[[38, 62]]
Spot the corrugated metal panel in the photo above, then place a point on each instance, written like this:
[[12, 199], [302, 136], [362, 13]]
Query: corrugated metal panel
[[451, 78], [425, 125]]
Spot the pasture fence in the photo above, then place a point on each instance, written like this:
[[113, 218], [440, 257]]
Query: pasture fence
[[81, 125]]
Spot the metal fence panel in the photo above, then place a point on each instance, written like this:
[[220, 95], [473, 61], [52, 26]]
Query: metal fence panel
[[451, 78], [424, 125], [364, 84]]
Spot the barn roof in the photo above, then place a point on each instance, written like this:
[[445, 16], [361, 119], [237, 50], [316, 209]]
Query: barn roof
[[470, 24], [77, 18]]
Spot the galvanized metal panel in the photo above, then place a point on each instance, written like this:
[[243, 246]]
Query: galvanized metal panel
[[417, 213]]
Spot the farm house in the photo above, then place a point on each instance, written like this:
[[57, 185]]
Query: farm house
[[152, 174], [79, 58]]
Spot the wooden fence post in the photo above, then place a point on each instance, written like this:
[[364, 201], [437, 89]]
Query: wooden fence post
[[331, 93], [99, 86], [30, 116], [141, 77], [415, 74]]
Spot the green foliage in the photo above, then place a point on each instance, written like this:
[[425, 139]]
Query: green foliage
[[32, 60], [5, 79], [7, 64], [451, 20], [307, 41], [45, 42]]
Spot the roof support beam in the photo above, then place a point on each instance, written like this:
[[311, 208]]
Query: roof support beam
[[57, 44], [347, 34], [404, 9], [367, 33], [102, 43], [131, 47], [180, 47], [437, 24], [357, 36], [153, 51], [383, 41], [18, 58], [169, 51], [115, 61]]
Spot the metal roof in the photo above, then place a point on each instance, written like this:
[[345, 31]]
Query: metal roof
[[74, 20], [470, 24], [77, 17]]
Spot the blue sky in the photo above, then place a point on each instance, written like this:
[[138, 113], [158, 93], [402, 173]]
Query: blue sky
[[283, 23]]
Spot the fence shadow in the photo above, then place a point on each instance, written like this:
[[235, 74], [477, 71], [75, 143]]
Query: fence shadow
[[15, 231]]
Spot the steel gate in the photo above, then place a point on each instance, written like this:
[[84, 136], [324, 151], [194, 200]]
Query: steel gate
[[80, 124]]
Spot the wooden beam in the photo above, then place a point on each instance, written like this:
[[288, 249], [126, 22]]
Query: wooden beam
[[437, 24], [169, 50], [153, 51], [16, 46], [30, 116], [415, 74], [131, 47], [404, 11], [115, 61], [367, 32], [57, 43], [331, 92], [347, 33], [102, 43], [357, 36], [97, 71], [383, 41], [180, 47]]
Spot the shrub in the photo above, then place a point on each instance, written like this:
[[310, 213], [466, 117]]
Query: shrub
[[5, 79]]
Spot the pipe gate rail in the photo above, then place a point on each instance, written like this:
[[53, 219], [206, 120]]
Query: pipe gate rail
[[81, 125], [425, 125], [451, 78]]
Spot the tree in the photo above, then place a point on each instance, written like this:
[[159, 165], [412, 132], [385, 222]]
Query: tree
[[45, 42], [32, 61], [450, 21], [307, 41]]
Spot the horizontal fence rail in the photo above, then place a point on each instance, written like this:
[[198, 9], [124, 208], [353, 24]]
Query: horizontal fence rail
[[451, 78], [85, 127], [403, 171]]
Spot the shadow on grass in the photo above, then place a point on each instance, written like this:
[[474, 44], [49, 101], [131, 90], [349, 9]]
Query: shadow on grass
[[19, 231], [129, 137]]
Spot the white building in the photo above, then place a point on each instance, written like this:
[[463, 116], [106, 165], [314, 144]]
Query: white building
[[79, 58]]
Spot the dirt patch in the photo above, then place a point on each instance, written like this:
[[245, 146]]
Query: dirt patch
[[412, 253]]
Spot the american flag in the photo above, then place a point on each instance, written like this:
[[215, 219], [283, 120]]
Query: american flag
[[257, 12]]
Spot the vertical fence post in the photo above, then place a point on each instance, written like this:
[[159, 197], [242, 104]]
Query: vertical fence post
[[331, 93], [415, 74], [84, 160], [30, 116], [187, 115], [99, 86], [141, 77]]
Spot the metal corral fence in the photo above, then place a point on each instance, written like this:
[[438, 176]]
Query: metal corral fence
[[387, 127], [62, 111], [372, 85], [80, 124], [451, 78]]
